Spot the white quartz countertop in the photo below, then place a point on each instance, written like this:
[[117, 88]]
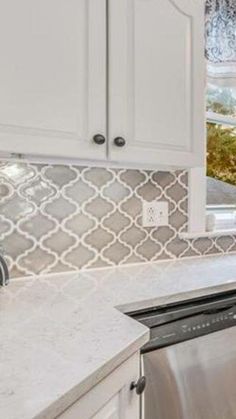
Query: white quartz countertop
[[61, 334]]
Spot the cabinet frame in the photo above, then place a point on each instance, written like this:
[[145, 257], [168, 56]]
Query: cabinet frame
[[117, 383]]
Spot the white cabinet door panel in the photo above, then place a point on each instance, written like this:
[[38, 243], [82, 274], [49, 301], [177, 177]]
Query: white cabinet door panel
[[110, 411], [156, 89], [52, 77], [112, 397]]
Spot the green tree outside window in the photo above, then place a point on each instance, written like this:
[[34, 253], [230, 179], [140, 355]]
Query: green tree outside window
[[221, 140]]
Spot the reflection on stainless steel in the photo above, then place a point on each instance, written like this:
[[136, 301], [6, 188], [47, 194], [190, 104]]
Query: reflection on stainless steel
[[195, 379]]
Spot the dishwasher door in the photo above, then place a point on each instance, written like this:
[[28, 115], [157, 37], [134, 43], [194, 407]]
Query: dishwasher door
[[194, 379]]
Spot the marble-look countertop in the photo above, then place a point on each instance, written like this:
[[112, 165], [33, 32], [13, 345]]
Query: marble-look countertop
[[61, 334]]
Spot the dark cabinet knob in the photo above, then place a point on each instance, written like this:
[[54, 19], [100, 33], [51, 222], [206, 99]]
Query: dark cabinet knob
[[139, 386], [119, 141], [99, 139]]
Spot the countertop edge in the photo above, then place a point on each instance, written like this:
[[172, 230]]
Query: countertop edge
[[72, 396]]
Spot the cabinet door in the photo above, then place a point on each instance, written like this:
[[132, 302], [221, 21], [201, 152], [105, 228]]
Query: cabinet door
[[156, 75], [119, 407], [111, 398], [53, 77], [110, 410]]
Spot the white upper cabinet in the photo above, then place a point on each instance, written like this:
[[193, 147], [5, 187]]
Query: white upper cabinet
[[71, 69], [156, 74], [53, 77]]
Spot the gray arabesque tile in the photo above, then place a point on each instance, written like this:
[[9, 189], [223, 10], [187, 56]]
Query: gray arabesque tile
[[58, 218]]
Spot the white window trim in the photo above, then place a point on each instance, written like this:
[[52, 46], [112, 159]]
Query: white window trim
[[197, 206], [221, 208], [197, 201], [216, 118]]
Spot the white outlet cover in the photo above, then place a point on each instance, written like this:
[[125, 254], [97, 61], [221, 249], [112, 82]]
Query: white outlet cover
[[155, 213]]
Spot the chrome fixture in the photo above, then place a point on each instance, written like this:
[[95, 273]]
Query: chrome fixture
[[4, 272]]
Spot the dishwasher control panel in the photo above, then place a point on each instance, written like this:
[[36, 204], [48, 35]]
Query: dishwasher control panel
[[176, 323], [189, 328]]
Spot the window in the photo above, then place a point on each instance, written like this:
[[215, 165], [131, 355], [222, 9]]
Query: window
[[221, 103], [220, 31], [220, 182], [221, 154], [221, 143]]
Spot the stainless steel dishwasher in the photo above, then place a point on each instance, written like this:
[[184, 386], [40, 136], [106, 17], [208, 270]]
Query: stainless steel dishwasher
[[190, 360]]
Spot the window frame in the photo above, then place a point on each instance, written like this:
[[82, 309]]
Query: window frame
[[216, 118], [198, 189]]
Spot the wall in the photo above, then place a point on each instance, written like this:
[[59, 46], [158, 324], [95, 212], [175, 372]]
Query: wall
[[62, 218]]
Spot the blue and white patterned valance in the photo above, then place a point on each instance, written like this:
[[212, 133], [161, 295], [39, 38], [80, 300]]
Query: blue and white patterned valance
[[221, 31], [220, 35]]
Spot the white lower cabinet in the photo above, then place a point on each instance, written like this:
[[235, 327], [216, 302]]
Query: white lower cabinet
[[112, 398], [111, 410]]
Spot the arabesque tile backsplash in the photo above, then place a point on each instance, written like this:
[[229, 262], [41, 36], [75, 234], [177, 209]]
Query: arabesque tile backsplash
[[62, 218]]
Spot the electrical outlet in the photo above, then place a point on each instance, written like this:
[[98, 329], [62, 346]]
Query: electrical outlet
[[155, 214]]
